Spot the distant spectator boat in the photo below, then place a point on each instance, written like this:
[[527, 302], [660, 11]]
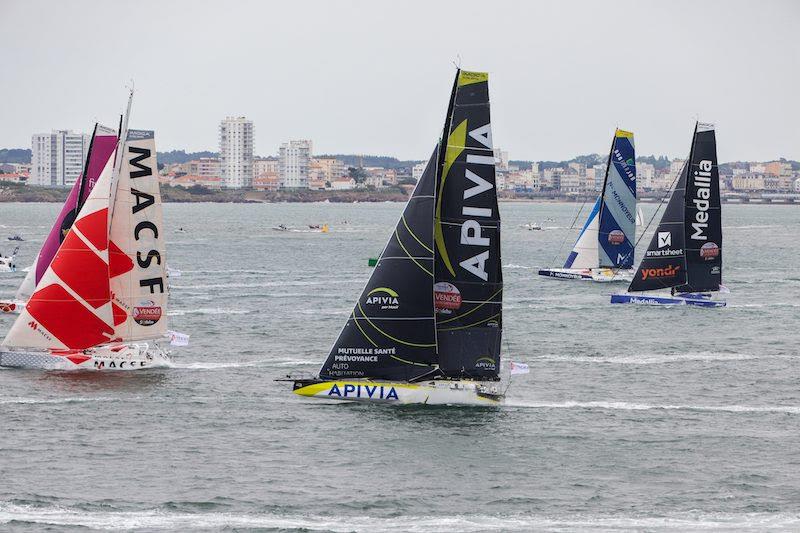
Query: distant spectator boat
[[685, 254]]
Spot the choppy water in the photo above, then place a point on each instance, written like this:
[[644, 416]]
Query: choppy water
[[633, 418]]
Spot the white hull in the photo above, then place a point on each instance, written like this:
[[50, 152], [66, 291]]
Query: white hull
[[12, 307], [118, 357], [442, 392], [601, 275]]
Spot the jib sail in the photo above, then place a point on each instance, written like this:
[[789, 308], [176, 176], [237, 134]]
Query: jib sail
[[390, 333], [702, 215], [468, 287], [664, 265], [617, 233]]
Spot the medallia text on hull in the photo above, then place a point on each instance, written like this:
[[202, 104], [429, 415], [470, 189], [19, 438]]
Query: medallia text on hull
[[683, 264], [604, 249], [104, 291], [427, 327]]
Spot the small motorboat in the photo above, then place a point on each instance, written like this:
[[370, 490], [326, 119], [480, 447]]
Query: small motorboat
[[281, 227], [533, 226], [16, 238]]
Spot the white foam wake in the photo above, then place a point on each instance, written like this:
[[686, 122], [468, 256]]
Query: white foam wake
[[628, 406], [208, 311], [155, 519], [23, 401], [656, 359]]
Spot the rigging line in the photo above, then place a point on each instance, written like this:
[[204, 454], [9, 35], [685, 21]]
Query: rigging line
[[379, 330], [403, 218], [668, 192], [473, 309], [409, 255]]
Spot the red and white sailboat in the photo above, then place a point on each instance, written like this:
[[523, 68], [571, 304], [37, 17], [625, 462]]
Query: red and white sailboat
[[102, 301]]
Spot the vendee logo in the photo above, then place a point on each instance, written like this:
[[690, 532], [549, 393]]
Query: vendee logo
[[383, 298], [446, 297], [616, 237], [709, 251], [146, 313]]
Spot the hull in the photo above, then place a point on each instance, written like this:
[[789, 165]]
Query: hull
[[602, 275], [696, 300], [121, 357], [429, 393], [12, 307]]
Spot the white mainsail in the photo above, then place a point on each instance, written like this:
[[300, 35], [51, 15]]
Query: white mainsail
[[137, 255]]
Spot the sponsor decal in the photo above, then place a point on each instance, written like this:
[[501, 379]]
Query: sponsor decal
[[702, 191], [715, 270], [352, 390], [141, 202], [669, 271], [446, 297], [383, 298], [146, 313], [709, 251], [7, 307], [486, 364], [664, 239], [616, 237]]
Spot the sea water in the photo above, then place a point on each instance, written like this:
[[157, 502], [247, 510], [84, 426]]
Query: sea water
[[632, 418]]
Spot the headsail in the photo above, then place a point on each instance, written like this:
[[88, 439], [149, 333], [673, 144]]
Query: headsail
[[71, 306], [468, 276], [390, 333], [103, 143], [586, 252], [702, 215], [664, 265], [137, 261], [617, 233]]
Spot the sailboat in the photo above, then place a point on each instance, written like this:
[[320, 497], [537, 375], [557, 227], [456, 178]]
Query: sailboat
[[101, 148], [604, 249], [427, 326], [104, 294], [685, 253], [8, 264]]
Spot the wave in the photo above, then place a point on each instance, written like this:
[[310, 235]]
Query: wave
[[161, 519], [513, 266], [208, 311], [25, 401], [656, 359], [628, 406], [203, 365], [285, 283]]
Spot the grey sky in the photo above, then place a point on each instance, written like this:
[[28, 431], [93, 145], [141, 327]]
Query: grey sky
[[374, 76]]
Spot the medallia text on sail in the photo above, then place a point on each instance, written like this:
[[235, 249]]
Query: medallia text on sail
[[390, 333], [468, 276]]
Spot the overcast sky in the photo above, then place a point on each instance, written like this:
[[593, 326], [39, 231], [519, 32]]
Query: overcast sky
[[374, 76]]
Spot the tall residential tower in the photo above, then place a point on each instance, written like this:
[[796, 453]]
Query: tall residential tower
[[57, 158], [236, 139]]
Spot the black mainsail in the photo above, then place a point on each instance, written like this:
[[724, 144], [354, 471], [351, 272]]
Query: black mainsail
[[468, 277], [433, 305], [391, 332], [685, 253]]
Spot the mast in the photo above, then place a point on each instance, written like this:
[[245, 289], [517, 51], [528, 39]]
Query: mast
[[123, 137]]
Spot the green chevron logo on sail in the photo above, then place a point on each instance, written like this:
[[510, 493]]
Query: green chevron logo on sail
[[384, 298]]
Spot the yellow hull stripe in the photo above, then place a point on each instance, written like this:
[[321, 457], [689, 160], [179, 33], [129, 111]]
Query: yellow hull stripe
[[316, 388]]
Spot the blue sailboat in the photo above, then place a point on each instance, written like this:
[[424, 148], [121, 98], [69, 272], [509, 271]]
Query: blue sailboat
[[604, 249], [683, 264]]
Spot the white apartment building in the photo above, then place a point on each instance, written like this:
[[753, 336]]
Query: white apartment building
[[294, 158], [418, 169], [236, 139], [58, 158]]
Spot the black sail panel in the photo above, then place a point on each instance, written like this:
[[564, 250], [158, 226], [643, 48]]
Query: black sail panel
[[390, 333], [702, 215], [664, 264], [468, 288]]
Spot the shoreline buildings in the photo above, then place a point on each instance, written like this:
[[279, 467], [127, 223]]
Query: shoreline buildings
[[57, 158], [236, 139]]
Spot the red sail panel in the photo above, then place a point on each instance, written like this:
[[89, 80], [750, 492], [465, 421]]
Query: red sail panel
[[95, 228], [82, 270], [82, 329], [118, 261]]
